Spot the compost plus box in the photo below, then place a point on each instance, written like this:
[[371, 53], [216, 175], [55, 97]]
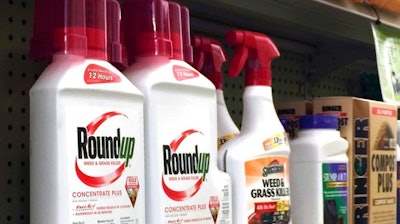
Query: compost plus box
[[370, 128]]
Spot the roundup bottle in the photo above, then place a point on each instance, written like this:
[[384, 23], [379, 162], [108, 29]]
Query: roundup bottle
[[86, 126], [318, 172], [209, 57], [257, 159], [180, 122]]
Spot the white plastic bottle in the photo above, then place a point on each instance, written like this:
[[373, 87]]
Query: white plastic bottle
[[257, 159], [209, 57], [318, 172], [180, 122], [86, 127]]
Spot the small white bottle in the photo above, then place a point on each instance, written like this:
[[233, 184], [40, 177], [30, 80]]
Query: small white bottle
[[318, 172]]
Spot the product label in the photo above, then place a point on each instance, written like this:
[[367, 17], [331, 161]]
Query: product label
[[383, 167], [268, 195], [95, 74], [184, 165], [276, 141], [104, 169], [334, 185], [225, 138], [190, 190], [182, 73]]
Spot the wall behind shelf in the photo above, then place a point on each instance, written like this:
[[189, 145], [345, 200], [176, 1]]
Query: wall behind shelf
[[18, 73]]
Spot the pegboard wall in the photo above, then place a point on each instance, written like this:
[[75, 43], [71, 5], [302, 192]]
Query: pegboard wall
[[18, 73]]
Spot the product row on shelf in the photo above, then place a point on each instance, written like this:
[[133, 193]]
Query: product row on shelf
[[131, 117]]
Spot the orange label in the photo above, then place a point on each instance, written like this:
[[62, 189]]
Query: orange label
[[267, 186], [276, 141]]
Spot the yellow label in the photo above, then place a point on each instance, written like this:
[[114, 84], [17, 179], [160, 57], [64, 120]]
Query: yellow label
[[225, 138]]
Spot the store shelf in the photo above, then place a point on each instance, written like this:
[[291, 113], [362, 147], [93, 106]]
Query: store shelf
[[305, 21], [324, 44]]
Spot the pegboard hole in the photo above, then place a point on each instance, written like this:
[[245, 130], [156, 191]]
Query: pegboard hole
[[10, 19], [10, 55], [10, 127], [10, 2], [10, 73], [10, 109], [10, 37], [9, 181], [23, 4], [23, 128], [9, 200], [23, 110], [9, 164], [8, 218]]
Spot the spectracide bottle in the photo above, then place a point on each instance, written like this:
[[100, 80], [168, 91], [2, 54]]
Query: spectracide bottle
[[208, 58], [180, 122], [257, 159], [86, 125], [318, 172]]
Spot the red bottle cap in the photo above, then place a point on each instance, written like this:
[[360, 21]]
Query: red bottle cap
[[175, 26], [96, 29], [114, 47], [58, 30], [187, 46], [209, 57], [254, 51], [40, 43], [69, 26], [145, 27]]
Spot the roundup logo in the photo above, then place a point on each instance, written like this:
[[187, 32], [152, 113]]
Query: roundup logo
[[107, 151], [187, 168]]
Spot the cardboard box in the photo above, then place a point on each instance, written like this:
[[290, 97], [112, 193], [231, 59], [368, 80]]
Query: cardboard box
[[370, 128], [291, 111]]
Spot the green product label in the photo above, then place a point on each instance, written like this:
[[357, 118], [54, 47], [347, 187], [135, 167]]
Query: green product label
[[334, 183]]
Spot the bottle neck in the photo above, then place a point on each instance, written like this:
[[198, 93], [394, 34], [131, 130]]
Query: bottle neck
[[258, 109]]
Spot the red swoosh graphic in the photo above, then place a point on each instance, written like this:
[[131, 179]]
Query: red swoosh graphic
[[92, 127], [181, 195], [176, 142], [106, 179], [185, 194], [101, 180]]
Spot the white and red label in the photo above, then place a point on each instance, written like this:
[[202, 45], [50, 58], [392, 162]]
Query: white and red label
[[95, 74]]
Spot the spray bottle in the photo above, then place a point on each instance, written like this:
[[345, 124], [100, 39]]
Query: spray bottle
[[180, 122], [86, 126], [257, 159], [209, 57]]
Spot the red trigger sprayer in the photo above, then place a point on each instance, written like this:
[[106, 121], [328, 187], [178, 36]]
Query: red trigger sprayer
[[208, 58], [254, 51]]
